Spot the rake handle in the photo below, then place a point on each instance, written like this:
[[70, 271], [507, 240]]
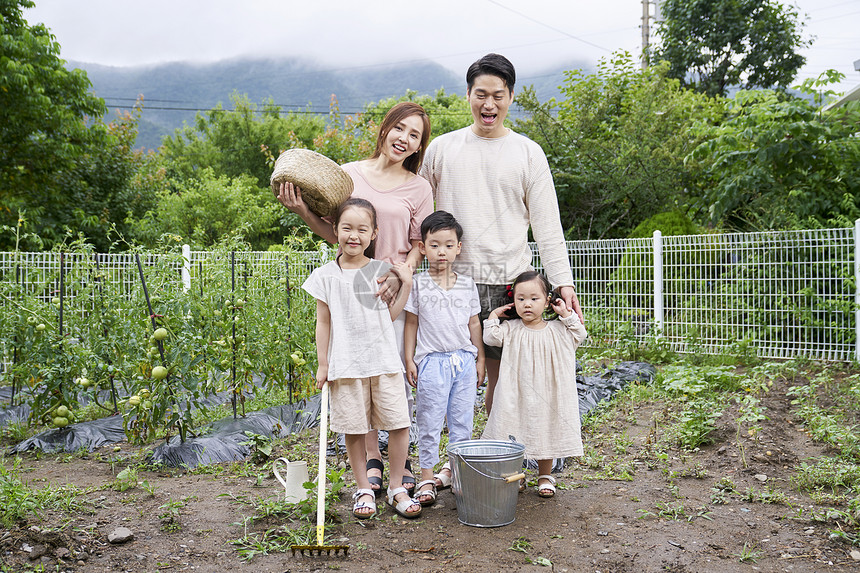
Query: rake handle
[[321, 475]]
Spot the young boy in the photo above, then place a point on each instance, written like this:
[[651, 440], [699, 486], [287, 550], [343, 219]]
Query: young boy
[[444, 350]]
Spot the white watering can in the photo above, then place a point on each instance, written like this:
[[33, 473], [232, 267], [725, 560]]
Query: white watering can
[[296, 475]]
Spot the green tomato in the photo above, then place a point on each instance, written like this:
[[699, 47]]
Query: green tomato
[[55, 301], [63, 412], [216, 313], [159, 373], [61, 422], [282, 280], [144, 393], [160, 334], [40, 327], [31, 320], [147, 404], [134, 401]]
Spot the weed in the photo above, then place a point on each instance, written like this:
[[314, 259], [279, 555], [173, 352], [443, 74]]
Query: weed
[[520, 544], [768, 495], [749, 553], [276, 540], [829, 473], [261, 447], [170, 516], [19, 501]]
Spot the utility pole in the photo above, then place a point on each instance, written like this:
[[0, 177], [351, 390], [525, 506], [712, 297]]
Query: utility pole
[[646, 29], [646, 35]]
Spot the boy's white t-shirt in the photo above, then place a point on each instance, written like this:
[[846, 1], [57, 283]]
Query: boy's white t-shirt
[[443, 315], [361, 339]]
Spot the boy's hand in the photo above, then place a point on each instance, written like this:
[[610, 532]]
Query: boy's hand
[[322, 376], [412, 373], [481, 367], [560, 308], [498, 312]]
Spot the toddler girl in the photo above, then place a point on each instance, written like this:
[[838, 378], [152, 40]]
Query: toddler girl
[[536, 399], [358, 354]]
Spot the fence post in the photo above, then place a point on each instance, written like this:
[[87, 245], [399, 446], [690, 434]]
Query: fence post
[[857, 290], [186, 268], [658, 280]]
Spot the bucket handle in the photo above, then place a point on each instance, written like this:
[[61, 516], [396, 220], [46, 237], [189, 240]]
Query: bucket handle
[[508, 479]]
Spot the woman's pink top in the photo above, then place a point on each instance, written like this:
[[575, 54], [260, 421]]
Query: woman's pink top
[[399, 212]]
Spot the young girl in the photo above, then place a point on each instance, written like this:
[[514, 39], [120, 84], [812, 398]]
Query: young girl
[[389, 180], [358, 355], [536, 400]]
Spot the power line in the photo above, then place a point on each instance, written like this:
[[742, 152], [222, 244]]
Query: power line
[[554, 29]]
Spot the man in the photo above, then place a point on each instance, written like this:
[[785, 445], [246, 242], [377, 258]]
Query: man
[[497, 183]]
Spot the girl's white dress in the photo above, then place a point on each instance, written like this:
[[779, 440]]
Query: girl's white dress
[[535, 400]]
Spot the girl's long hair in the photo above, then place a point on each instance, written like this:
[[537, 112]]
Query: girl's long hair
[[355, 202], [394, 116]]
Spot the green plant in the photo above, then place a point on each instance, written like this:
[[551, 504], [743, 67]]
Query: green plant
[[18, 501], [171, 513], [125, 480], [520, 544], [750, 553], [261, 447]]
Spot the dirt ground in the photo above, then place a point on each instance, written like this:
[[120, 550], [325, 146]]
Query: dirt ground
[[596, 525]]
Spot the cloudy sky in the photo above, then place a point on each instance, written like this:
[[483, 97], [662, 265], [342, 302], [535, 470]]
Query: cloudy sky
[[341, 33]]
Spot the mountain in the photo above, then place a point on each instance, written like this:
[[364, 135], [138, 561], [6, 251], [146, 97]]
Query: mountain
[[173, 93]]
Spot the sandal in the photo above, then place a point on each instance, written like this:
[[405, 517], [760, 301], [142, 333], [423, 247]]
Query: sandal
[[401, 506], [408, 482], [546, 489], [426, 492], [444, 479], [358, 505], [376, 464]]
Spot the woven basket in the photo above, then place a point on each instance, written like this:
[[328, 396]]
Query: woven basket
[[324, 184]]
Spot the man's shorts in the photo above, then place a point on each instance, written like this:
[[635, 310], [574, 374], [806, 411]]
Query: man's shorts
[[359, 405], [492, 297]]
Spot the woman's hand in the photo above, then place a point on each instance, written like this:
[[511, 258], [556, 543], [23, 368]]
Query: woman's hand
[[390, 286], [392, 281], [290, 197]]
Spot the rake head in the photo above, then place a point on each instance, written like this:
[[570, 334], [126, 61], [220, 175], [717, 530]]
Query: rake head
[[314, 550]]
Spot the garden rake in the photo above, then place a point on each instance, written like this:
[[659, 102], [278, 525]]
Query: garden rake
[[320, 547]]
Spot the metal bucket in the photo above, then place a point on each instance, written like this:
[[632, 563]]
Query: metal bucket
[[486, 480]]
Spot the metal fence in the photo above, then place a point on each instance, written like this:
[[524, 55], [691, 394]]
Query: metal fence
[[777, 294]]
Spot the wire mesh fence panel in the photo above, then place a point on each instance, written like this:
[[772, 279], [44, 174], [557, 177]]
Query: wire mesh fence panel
[[778, 294]]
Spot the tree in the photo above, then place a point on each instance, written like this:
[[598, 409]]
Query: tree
[[60, 164], [205, 210], [235, 142], [616, 145], [778, 162], [713, 44]]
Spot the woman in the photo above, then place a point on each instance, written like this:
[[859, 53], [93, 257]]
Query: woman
[[389, 180]]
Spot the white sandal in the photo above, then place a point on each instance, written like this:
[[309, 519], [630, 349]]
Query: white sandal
[[363, 504], [425, 492], [444, 480], [401, 506], [546, 489]]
